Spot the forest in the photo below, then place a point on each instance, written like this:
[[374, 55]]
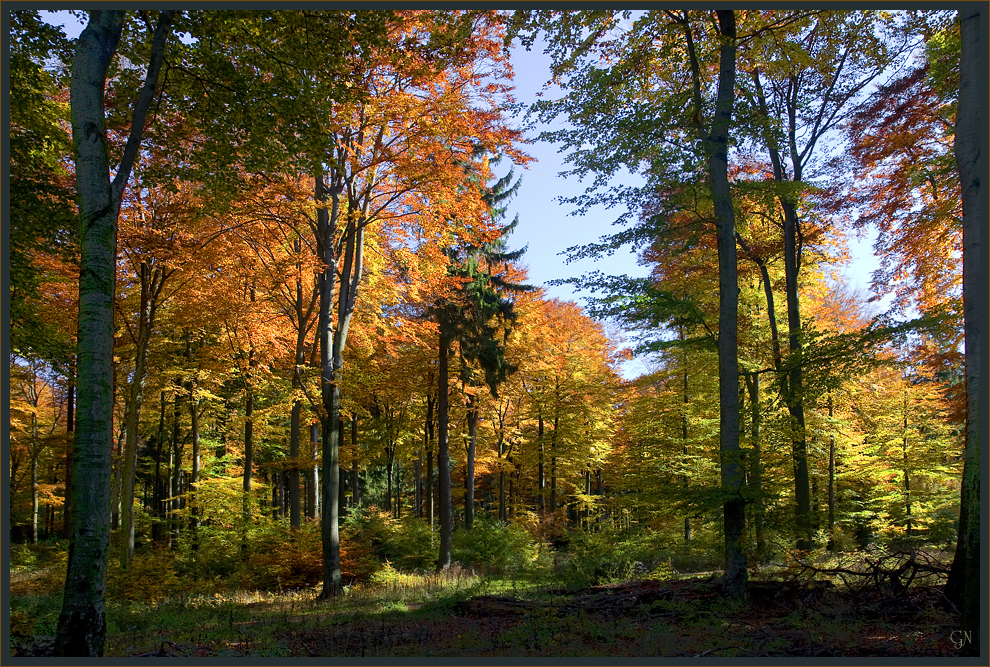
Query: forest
[[280, 383]]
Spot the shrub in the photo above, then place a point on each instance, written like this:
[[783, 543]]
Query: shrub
[[408, 543], [413, 545], [28, 557], [389, 577], [494, 548], [150, 577], [280, 559]]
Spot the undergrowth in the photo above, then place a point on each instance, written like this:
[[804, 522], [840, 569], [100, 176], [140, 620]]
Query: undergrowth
[[258, 595]]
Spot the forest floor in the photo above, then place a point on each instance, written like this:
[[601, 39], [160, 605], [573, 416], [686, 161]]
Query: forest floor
[[463, 615]]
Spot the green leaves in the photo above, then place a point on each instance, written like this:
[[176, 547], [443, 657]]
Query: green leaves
[[42, 211]]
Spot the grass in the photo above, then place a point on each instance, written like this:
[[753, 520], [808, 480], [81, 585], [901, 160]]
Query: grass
[[420, 614]]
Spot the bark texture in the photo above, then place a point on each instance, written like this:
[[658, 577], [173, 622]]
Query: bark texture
[[968, 144], [82, 622], [443, 455], [728, 368]]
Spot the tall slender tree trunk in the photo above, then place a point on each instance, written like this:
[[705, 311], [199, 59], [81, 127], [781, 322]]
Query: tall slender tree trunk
[[389, 462], [541, 480], [472, 417], [443, 454], [152, 282], [728, 359], [399, 473], [964, 586], [418, 486], [831, 478], [248, 456], [194, 433], [295, 430], [794, 396], [789, 373], [303, 314], [82, 622], [341, 483], [314, 442], [355, 478], [907, 473], [332, 334], [174, 460], [586, 514], [157, 496], [329, 389], [429, 461], [553, 456], [35, 453], [502, 510], [685, 398]]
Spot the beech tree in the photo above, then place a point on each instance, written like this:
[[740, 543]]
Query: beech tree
[[967, 151], [82, 623], [595, 99]]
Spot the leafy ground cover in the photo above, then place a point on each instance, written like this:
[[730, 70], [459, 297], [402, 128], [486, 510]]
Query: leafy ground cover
[[461, 613]]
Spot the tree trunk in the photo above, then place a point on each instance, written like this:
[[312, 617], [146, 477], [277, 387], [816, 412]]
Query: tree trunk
[[553, 463], [831, 477], [248, 451], [398, 489], [907, 474], [502, 513], [963, 585], [789, 374], [389, 459], [541, 481], [684, 436], [194, 432], [295, 511], [314, 441], [35, 453], [731, 466], [428, 491], [418, 499], [355, 478], [70, 446], [472, 417], [82, 621], [794, 396], [152, 282], [341, 483], [331, 342], [443, 455], [174, 460]]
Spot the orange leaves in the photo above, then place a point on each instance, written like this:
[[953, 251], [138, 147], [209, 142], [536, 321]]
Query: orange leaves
[[907, 188]]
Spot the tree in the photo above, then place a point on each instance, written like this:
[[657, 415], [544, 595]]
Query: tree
[[968, 142], [717, 144], [565, 402], [613, 88], [36, 411], [42, 214], [484, 323], [383, 163], [807, 72], [82, 622], [471, 315]]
